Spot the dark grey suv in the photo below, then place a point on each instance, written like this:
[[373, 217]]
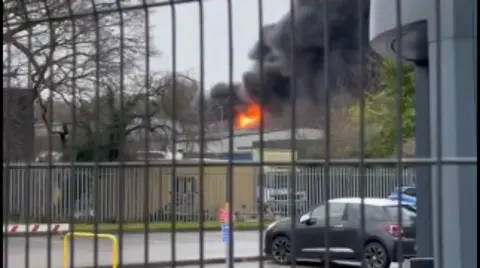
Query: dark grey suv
[[380, 244]]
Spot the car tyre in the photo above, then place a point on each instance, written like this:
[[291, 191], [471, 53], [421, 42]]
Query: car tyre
[[281, 250], [376, 256]]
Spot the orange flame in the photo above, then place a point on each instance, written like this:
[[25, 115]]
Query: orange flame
[[248, 117]]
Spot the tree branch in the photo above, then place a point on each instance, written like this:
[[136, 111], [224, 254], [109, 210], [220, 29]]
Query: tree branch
[[151, 128]]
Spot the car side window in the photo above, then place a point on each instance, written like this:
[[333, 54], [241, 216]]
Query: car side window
[[411, 192], [337, 212], [353, 210], [373, 213], [318, 213]]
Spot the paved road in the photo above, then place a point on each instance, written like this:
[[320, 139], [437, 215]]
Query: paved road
[[267, 264], [159, 249]]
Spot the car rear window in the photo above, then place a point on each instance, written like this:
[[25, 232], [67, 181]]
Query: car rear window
[[408, 213]]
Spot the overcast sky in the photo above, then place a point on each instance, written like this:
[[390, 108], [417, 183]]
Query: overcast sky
[[245, 33], [245, 20]]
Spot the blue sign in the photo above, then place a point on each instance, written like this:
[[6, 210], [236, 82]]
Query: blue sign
[[406, 196], [224, 232]]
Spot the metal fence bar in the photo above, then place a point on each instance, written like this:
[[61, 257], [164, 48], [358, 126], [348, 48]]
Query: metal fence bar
[[6, 166], [119, 132], [344, 182], [327, 111], [292, 187], [201, 188], [259, 204], [362, 186]]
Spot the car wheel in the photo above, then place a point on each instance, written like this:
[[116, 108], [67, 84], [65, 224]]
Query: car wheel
[[376, 256], [281, 250]]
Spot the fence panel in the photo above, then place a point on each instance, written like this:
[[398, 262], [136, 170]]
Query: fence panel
[[311, 186], [76, 192], [376, 93]]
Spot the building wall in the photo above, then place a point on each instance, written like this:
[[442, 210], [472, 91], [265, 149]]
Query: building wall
[[242, 142], [134, 191], [450, 54], [18, 121], [126, 189]]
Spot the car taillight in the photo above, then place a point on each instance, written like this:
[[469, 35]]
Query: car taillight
[[393, 229]]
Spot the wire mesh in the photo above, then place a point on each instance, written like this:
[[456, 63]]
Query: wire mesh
[[303, 149]]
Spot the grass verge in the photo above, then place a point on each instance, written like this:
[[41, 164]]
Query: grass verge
[[167, 226]]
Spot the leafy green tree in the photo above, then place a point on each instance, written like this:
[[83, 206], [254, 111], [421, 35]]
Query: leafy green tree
[[381, 110]]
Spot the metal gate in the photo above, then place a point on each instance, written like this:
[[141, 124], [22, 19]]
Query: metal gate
[[106, 101]]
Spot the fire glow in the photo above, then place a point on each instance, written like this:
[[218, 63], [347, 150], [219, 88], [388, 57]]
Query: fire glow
[[248, 117]]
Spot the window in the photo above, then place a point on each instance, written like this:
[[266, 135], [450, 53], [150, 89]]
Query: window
[[373, 213], [408, 214], [186, 190], [319, 212], [411, 192], [337, 211]]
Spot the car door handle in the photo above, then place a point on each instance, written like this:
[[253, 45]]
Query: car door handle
[[337, 226]]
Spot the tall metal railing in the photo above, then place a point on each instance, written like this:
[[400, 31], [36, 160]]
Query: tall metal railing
[[390, 84], [75, 193]]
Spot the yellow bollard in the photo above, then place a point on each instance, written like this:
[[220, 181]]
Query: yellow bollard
[[84, 234]]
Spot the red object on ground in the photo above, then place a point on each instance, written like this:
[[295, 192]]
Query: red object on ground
[[36, 228]]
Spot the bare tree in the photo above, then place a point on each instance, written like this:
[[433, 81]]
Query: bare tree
[[182, 103], [103, 124], [94, 64], [72, 56]]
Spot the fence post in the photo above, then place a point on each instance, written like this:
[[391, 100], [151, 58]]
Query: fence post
[[423, 172], [453, 118]]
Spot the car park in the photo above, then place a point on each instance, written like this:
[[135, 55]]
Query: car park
[[389, 230]]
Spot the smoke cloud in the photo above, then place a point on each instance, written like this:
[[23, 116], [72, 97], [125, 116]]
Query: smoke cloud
[[295, 47]]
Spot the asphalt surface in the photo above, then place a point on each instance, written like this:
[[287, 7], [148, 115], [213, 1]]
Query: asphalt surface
[[159, 249], [268, 264], [133, 252]]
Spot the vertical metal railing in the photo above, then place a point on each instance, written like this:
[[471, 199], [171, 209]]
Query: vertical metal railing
[[362, 185], [201, 188], [97, 60], [29, 184]]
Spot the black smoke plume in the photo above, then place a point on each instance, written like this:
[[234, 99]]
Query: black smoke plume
[[304, 60]]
